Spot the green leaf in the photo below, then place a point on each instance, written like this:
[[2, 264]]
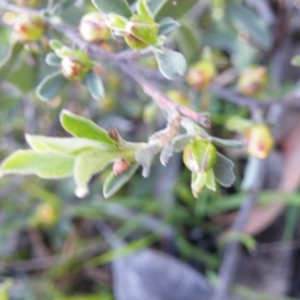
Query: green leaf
[[84, 128], [52, 60], [45, 165], [187, 39], [114, 183], [51, 86], [171, 64], [223, 171], [250, 174], [296, 61], [167, 25], [9, 59], [119, 7], [198, 182], [173, 9], [238, 124], [73, 146], [145, 156], [246, 20], [143, 9], [95, 85], [230, 144], [210, 180], [90, 163], [55, 45]]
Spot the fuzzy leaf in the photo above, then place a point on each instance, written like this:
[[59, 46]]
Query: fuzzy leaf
[[230, 144], [45, 165], [171, 64], [114, 183], [166, 154], [167, 25], [223, 170], [72, 146], [144, 157], [95, 85], [238, 124], [181, 141], [198, 182], [143, 9], [210, 180], [173, 9], [90, 163], [9, 59], [52, 60], [51, 86], [119, 7], [84, 128]]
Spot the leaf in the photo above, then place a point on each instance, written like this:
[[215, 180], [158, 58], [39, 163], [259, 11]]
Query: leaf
[[143, 9], [223, 171], [119, 7], [51, 86], [173, 9], [73, 146], [171, 64], [198, 182], [45, 165], [210, 180], [9, 59], [250, 174], [52, 60], [90, 163], [230, 144], [114, 183], [167, 25], [55, 45], [84, 128], [187, 39], [296, 61], [246, 20], [94, 85], [238, 124], [145, 156]]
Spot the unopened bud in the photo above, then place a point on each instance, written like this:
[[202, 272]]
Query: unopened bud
[[29, 27], [200, 156], [140, 33], [46, 215], [120, 166], [259, 141], [253, 80], [201, 75], [93, 28], [179, 97], [76, 65]]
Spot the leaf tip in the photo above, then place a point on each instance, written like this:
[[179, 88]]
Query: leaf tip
[[81, 192]]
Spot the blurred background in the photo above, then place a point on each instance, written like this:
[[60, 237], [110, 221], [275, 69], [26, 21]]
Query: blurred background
[[154, 240]]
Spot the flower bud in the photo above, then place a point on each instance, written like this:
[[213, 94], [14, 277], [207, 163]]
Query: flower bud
[[76, 65], [179, 97], [140, 33], [259, 141], [93, 28], [200, 156], [28, 3], [45, 215], [201, 75], [29, 27], [120, 166], [253, 80]]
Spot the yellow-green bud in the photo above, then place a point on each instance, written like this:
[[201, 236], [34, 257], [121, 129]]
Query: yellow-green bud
[[28, 3], [259, 141], [76, 65], [201, 75], [140, 32], [200, 156], [179, 97], [45, 215], [29, 27], [253, 80], [93, 28]]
